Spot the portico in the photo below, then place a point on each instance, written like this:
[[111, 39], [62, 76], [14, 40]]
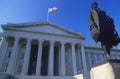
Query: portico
[[29, 56]]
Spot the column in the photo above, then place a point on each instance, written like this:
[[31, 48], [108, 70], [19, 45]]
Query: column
[[13, 55], [3, 42], [39, 58], [3, 51], [89, 59], [63, 69], [80, 59], [26, 57], [95, 58], [16, 57], [74, 59], [84, 61], [60, 60], [79, 67], [51, 59], [101, 56]]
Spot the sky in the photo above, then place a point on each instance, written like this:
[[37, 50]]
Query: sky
[[71, 14]]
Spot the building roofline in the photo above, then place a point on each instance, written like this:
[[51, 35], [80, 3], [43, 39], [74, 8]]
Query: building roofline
[[29, 24]]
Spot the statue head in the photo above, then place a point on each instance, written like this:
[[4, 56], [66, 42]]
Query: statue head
[[94, 5]]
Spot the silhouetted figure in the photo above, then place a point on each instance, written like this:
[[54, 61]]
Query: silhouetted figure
[[102, 29]]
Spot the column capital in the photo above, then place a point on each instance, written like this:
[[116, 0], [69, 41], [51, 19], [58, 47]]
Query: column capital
[[16, 37], [29, 39], [4, 35], [78, 45], [40, 40], [52, 41], [62, 42], [73, 43], [82, 44]]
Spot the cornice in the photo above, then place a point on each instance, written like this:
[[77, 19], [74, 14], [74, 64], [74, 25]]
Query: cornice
[[98, 46], [44, 33]]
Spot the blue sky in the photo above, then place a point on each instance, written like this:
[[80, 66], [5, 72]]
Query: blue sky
[[72, 14]]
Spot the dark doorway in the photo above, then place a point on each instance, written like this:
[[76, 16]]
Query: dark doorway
[[44, 67], [33, 59], [56, 60]]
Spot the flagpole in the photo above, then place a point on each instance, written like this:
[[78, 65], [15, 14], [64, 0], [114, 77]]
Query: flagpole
[[48, 15], [50, 10]]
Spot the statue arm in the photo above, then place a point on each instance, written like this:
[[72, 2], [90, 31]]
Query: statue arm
[[90, 18], [93, 19]]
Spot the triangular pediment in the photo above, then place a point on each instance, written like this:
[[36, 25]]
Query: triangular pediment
[[42, 27]]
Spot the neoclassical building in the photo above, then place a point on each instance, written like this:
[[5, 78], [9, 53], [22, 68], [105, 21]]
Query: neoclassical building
[[44, 50]]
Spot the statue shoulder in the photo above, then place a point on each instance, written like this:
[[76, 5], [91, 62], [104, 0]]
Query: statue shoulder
[[98, 11]]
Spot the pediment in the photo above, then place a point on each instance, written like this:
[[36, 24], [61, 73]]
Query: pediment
[[45, 27]]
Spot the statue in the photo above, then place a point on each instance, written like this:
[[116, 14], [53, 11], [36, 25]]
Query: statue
[[102, 29]]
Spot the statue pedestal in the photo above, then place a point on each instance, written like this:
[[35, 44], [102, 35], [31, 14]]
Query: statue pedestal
[[109, 69]]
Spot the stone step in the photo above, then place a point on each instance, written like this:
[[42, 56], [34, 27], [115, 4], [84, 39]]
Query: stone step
[[45, 77], [6, 76]]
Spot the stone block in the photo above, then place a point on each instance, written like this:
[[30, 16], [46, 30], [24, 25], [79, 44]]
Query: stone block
[[109, 69]]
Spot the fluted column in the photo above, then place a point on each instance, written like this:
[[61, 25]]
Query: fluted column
[[63, 69], [74, 59], [84, 60], [26, 57], [3, 51], [79, 60], [51, 59], [39, 58], [13, 55]]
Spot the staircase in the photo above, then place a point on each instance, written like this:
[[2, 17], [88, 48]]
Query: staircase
[[8, 76], [44, 77]]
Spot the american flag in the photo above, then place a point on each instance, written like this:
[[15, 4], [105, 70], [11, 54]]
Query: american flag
[[52, 9]]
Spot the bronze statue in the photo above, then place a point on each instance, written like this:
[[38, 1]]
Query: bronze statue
[[102, 29]]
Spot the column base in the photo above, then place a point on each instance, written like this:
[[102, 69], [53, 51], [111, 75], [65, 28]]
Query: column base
[[22, 74], [37, 74], [6, 76], [108, 69]]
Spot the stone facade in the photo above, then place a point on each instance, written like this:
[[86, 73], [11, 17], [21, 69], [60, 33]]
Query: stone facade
[[46, 50]]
